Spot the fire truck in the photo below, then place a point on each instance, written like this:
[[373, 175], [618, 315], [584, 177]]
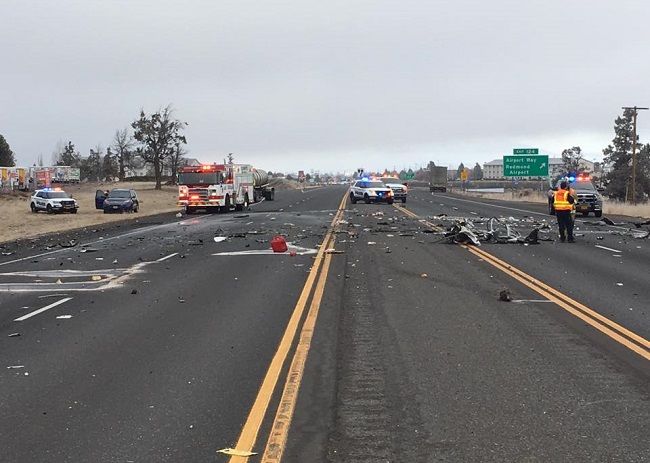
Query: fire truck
[[215, 187]]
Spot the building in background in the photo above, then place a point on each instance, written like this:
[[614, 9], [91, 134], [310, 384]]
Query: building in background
[[493, 170]]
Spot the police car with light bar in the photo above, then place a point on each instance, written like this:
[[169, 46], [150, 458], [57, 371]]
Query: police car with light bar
[[53, 200], [588, 199], [370, 191]]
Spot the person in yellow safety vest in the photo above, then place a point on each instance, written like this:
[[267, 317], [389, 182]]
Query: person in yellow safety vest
[[572, 192], [563, 202]]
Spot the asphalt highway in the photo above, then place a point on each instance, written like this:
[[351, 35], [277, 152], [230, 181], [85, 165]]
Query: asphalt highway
[[376, 337]]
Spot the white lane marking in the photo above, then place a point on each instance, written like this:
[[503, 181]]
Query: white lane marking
[[91, 243], [496, 205], [606, 249], [300, 251], [167, 257], [521, 301], [42, 309]]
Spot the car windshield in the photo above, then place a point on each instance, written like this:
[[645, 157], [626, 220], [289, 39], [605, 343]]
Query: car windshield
[[583, 186], [120, 194], [372, 185], [579, 185], [58, 194]]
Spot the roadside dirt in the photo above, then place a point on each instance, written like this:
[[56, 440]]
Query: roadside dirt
[[18, 222]]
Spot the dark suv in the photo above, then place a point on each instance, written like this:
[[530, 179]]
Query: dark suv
[[589, 199]]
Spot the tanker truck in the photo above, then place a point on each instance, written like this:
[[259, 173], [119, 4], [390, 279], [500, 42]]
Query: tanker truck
[[261, 186]]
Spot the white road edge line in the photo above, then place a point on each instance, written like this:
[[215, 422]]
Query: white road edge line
[[606, 249], [43, 309]]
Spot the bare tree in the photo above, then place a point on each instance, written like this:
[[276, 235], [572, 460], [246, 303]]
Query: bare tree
[[122, 150], [158, 135], [176, 157]]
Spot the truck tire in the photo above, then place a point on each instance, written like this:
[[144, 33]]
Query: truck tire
[[226, 206], [598, 213], [247, 201], [189, 210]]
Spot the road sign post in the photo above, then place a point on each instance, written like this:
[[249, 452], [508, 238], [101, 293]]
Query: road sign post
[[525, 166]]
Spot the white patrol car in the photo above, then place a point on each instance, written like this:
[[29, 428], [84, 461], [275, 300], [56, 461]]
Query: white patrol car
[[370, 191], [399, 189], [53, 200]]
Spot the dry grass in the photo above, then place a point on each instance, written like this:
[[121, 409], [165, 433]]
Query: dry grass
[[20, 222]]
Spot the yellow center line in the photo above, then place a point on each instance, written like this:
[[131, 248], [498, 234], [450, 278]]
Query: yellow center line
[[250, 430], [280, 429], [610, 328]]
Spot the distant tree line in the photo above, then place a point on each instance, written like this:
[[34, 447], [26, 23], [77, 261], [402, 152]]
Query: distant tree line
[[156, 142]]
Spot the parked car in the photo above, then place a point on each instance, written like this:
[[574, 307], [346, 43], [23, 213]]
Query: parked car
[[53, 200], [119, 200]]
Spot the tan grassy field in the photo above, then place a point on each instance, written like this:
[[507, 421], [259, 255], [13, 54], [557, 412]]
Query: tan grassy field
[[19, 222]]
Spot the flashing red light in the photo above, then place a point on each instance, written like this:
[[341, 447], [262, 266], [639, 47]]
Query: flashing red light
[[194, 197]]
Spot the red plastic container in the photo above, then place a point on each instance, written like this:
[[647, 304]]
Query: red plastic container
[[278, 244]]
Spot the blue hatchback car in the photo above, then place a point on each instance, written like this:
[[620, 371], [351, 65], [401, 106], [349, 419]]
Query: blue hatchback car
[[119, 200]]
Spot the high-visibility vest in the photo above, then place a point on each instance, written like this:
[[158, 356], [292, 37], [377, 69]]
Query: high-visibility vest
[[561, 201]]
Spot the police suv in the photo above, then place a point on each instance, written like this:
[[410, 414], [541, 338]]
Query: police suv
[[370, 191], [588, 198], [53, 200]]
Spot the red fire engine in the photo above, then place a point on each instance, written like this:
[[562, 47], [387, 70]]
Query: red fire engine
[[214, 187]]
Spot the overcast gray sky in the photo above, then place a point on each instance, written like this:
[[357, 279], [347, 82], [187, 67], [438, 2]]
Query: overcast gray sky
[[328, 86]]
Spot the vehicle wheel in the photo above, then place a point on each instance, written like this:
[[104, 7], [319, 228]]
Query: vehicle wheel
[[366, 198], [105, 211], [33, 208], [73, 211], [585, 214], [403, 200], [49, 209], [226, 207], [136, 207], [247, 202], [390, 201], [353, 200], [598, 213], [189, 210]]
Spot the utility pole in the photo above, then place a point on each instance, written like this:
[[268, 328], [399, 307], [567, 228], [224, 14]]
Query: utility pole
[[636, 110]]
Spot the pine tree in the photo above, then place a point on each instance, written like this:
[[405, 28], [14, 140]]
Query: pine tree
[[618, 155], [7, 158]]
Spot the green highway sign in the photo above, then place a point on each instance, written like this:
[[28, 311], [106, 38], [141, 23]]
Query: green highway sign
[[525, 151], [525, 166]]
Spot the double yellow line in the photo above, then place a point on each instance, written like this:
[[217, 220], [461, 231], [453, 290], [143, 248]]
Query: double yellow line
[[280, 429], [603, 324]]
